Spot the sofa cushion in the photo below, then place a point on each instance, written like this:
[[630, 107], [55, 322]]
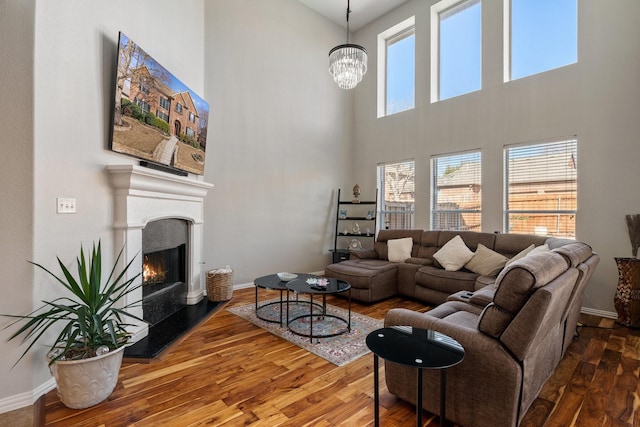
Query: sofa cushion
[[445, 281], [515, 285], [400, 249], [486, 262], [453, 255]]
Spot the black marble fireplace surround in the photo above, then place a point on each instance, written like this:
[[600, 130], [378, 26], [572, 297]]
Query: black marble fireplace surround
[[164, 268]]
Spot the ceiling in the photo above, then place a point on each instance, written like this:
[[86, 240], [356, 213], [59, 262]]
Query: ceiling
[[362, 11]]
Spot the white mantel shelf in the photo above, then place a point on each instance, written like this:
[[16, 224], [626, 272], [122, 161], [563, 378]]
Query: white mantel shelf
[[142, 195]]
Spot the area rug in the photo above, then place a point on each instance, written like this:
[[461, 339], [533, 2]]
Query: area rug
[[339, 349]]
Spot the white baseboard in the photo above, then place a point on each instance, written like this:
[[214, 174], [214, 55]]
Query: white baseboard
[[601, 313], [28, 398]]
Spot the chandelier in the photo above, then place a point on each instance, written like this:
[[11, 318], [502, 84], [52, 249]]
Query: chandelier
[[348, 62]]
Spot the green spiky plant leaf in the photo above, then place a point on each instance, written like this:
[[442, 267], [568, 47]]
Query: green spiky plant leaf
[[90, 318]]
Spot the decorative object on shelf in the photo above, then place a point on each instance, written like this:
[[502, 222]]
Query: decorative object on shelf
[[348, 62], [355, 245], [346, 225], [356, 229], [368, 232], [85, 357], [356, 194]]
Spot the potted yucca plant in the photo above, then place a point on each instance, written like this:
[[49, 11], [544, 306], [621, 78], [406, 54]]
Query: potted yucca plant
[[86, 356]]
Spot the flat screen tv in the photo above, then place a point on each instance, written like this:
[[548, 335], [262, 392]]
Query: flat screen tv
[[157, 118]]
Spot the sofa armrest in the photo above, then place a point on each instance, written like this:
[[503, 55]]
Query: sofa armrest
[[365, 254]]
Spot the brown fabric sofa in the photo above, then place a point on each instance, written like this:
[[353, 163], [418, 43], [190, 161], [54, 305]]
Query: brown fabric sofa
[[373, 277], [514, 332]]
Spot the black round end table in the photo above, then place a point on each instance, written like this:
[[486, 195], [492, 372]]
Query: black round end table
[[416, 348]]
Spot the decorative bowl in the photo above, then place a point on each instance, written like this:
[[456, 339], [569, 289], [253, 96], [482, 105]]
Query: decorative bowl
[[286, 277]]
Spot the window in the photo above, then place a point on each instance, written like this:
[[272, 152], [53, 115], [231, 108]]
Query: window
[[192, 117], [143, 105], [542, 35], [179, 107], [164, 103], [398, 195], [396, 68], [541, 188], [143, 86], [190, 132], [456, 192], [456, 48], [162, 115]]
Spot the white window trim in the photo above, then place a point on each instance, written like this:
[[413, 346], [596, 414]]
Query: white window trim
[[506, 37], [397, 30]]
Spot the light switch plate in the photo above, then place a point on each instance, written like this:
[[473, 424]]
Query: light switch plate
[[65, 205]]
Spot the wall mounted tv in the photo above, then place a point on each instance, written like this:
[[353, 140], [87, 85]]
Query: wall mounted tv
[[157, 118]]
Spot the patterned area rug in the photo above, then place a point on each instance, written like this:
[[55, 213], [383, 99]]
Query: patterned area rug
[[339, 350]]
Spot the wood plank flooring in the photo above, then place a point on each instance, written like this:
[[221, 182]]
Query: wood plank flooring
[[227, 372]]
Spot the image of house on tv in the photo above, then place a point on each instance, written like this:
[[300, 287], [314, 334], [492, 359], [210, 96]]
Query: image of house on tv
[[157, 117]]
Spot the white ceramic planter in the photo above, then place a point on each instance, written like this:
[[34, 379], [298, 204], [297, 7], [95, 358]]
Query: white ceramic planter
[[87, 382]]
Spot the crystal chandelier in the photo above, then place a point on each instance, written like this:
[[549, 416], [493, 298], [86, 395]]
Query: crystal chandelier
[[348, 62]]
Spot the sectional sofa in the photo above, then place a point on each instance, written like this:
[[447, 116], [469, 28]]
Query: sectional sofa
[[418, 274], [515, 323]]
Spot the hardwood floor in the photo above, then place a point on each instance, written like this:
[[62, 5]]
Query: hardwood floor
[[227, 372]]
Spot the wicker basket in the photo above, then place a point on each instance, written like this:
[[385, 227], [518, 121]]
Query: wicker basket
[[220, 284]]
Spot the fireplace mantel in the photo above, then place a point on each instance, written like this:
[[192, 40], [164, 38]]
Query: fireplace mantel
[[142, 195]]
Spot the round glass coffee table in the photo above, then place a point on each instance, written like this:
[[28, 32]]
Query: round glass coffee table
[[305, 285], [416, 348], [273, 283]]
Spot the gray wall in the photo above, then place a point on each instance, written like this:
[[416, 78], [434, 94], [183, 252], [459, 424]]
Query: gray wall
[[597, 99]]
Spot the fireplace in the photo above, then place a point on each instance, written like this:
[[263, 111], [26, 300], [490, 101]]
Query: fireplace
[[154, 212]]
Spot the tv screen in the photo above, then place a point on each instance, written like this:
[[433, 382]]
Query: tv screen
[[156, 117]]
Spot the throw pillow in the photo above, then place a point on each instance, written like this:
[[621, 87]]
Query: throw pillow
[[454, 254], [521, 254], [486, 262], [400, 249]]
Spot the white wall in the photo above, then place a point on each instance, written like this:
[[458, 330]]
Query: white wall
[[279, 141], [597, 99]]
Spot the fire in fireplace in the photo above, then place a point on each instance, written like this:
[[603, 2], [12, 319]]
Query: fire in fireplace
[[164, 283]]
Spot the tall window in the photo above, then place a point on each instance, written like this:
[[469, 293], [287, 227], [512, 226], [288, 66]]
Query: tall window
[[543, 36], [456, 191], [164, 103], [396, 68], [456, 48], [541, 188], [398, 195]]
